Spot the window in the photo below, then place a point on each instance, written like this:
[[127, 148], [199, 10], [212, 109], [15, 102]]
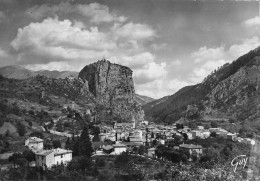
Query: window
[[61, 156]]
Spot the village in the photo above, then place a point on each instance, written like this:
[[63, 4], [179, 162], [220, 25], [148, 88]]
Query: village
[[129, 137]]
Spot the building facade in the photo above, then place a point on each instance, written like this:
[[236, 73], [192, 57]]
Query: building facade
[[47, 158]]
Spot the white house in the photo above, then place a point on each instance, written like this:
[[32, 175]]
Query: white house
[[231, 136], [248, 141], [119, 148], [34, 143], [151, 152], [47, 158]]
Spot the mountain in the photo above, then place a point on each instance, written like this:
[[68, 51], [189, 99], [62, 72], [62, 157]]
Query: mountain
[[106, 88], [113, 87], [19, 72], [143, 99], [153, 103], [16, 72], [229, 91]]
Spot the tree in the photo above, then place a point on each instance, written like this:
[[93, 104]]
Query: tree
[[30, 123], [141, 150], [17, 159], [179, 126], [68, 143], [96, 130], [214, 124], [56, 144], [59, 126], [213, 134], [85, 145], [185, 136], [21, 129], [29, 155]]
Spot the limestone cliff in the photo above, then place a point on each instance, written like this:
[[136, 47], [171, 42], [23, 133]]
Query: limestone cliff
[[237, 95], [113, 87]]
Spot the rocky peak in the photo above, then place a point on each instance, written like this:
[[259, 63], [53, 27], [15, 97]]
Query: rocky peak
[[112, 85]]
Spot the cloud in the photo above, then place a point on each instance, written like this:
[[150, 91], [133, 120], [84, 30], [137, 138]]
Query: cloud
[[66, 45], [97, 13], [237, 50], [59, 66], [209, 59], [3, 53], [59, 40], [252, 22], [149, 73], [144, 67], [160, 87], [207, 54], [134, 31], [136, 61], [2, 16], [175, 63]]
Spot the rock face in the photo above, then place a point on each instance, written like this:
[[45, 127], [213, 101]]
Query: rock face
[[238, 95], [113, 87]]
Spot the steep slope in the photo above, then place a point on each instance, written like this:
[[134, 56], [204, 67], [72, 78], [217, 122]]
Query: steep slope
[[231, 90], [16, 72], [57, 74], [143, 99], [113, 87]]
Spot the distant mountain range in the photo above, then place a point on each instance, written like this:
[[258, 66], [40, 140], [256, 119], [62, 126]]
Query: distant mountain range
[[19, 72], [230, 91]]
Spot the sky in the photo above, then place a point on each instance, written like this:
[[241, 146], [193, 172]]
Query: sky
[[168, 44]]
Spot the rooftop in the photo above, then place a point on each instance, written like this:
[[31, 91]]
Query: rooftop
[[35, 139], [44, 152], [190, 146], [118, 145], [60, 151]]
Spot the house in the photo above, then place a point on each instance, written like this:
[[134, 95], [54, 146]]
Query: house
[[191, 149], [222, 134], [111, 137], [231, 136], [118, 148], [136, 139], [205, 134], [162, 141], [248, 141], [102, 137], [108, 149], [47, 158], [200, 127], [151, 152], [34, 143], [195, 133]]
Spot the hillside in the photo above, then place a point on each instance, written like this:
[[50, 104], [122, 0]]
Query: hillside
[[114, 98], [142, 100], [229, 91], [16, 72]]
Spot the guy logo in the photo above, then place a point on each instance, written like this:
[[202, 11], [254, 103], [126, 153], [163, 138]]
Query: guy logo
[[240, 160]]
